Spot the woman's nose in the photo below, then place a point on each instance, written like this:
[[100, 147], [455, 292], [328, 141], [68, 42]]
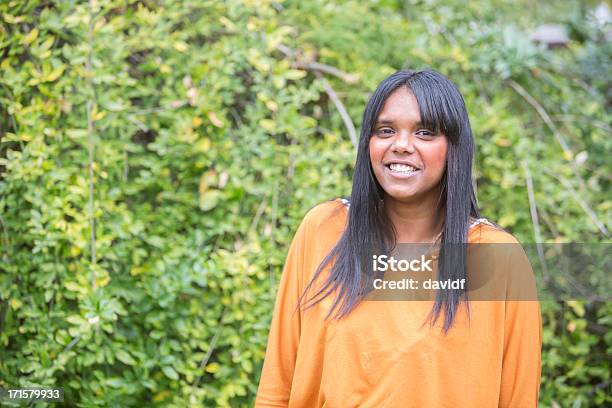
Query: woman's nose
[[404, 142]]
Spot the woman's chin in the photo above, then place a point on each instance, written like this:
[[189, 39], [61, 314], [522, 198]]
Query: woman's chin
[[414, 194], [403, 196]]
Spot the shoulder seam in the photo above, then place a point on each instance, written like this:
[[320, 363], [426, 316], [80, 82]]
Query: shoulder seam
[[482, 220], [322, 211]]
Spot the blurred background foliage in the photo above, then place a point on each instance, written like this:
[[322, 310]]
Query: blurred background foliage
[[157, 156]]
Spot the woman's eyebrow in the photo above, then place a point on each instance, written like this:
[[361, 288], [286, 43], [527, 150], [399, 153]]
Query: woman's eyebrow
[[385, 121]]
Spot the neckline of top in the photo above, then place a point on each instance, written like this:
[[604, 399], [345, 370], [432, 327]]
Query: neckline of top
[[481, 220]]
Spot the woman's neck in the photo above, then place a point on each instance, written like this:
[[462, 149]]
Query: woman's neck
[[419, 221]]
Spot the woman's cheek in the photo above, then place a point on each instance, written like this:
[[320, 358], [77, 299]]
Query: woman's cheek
[[376, 153], [374, 150], [438, 155]]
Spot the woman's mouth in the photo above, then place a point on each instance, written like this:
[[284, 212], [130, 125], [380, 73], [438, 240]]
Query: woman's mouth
[[401, 170]]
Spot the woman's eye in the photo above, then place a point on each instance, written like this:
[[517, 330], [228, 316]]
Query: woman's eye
[[384, 131], [425, 133]]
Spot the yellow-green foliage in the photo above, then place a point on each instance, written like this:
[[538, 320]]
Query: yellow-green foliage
[[194, 135]]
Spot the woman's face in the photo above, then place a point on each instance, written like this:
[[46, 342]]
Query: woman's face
[[408, 159]]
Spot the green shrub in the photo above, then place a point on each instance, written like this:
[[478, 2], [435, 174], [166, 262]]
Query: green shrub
[[156, 158]]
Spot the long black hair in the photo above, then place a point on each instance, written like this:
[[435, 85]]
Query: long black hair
[[369, 229]]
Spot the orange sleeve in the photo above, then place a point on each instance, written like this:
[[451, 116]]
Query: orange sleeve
[[279, 363], [521, 364]]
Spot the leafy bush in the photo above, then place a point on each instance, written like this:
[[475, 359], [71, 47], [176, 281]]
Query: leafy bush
[[156, 158]]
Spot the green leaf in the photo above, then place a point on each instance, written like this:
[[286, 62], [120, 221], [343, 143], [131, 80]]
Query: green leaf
[[125, 357], [209, 199], [170, 372]]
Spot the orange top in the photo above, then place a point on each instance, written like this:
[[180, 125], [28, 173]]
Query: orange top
[[381, 354]]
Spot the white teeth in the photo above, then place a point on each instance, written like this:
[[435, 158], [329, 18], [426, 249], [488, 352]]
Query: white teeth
[[401, 168]]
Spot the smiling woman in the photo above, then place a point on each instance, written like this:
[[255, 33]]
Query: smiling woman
[[408, 158], [412, 184]]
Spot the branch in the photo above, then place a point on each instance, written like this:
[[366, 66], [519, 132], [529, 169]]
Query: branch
[[272, 233], [549, 122], [6, 236], [317, 68], [328, 69], [534, 219], [585, 206], [213, 344], [575, 119], [543, 114], [291, 166], [258, 214], [71, 344], [341, 109], [91, 140], [169, 106], [138, 123]]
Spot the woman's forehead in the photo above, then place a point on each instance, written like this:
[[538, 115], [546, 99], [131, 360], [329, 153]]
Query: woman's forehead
[[400, 106]]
